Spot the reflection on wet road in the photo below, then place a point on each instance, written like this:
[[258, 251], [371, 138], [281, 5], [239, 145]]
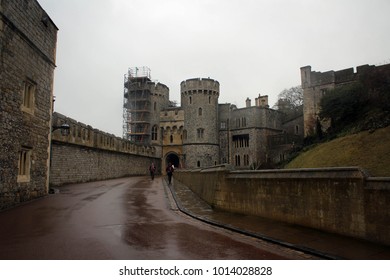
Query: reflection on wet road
[[127, 218]]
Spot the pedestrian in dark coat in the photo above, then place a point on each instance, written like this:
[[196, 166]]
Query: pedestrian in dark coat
[[152, 170]]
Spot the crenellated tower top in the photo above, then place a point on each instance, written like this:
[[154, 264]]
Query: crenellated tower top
[[200, 85]]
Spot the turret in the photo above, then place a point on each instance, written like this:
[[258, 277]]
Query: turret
[[199, 100]]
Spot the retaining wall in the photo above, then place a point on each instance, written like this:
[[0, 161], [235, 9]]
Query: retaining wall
[[339, 200]]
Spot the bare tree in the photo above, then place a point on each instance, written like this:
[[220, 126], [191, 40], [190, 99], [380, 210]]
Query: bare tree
[[290, 100]]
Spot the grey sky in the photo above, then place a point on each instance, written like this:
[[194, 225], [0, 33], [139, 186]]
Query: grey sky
[[249, 46]]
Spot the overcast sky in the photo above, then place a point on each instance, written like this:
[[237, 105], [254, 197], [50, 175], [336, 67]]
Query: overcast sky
[[251, 47]]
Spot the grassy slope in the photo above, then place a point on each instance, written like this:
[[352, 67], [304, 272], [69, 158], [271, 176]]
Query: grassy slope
[[368, 150]]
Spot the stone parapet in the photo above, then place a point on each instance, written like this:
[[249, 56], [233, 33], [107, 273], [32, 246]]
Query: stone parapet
[[339, 200], [84, 135]]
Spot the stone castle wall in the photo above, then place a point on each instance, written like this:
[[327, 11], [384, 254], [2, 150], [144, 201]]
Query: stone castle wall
[[87, 154], [316, 84], [28, 41]]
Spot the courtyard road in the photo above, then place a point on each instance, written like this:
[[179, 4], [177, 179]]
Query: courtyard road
[[127, 218]]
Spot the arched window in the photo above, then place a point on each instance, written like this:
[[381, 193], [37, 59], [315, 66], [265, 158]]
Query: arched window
[[238, 160], [200, 111], [200, 133], [154, 133], [171, 138], [243, 122]]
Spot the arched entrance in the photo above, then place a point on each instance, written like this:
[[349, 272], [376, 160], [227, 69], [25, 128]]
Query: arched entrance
[[172, 158]]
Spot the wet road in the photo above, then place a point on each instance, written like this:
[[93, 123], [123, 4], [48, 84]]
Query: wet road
[[127, 218]]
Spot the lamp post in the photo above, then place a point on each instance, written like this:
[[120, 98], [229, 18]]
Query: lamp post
[[65, 129]]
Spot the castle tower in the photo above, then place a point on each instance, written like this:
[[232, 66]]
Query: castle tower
[[314, 85], [143, 101], [199, 101]]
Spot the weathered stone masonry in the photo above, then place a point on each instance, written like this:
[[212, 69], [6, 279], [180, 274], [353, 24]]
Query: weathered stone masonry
[[316, 84], [339, 200], [87, 154], [28, 40]]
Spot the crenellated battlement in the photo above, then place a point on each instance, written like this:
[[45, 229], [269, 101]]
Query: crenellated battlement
[[160, 89], [199, 85], [316, 84], [134, 84], [313, 78], [85, 135]]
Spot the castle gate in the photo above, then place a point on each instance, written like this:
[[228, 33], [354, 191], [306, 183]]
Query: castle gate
[[173, 158]]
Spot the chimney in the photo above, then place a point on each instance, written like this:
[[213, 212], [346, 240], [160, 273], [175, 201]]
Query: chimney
[[248, 102]]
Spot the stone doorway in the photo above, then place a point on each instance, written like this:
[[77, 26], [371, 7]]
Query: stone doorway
[[172, 158]]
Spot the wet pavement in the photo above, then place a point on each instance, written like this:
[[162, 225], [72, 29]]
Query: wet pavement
[[129, 218], [321, 244]]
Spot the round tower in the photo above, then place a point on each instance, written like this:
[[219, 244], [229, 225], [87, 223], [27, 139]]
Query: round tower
[[199, 101]]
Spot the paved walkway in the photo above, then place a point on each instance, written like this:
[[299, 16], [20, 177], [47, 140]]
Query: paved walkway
[[326, 245]]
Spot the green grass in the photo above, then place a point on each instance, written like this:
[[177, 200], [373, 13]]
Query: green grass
[[370, 151]]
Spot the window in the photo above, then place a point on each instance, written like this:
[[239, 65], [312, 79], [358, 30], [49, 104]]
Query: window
[[241, 141], [238, 123], [24, 165], [28, 96], [171, 138], [243, 122], [246, 160], [238, 160], [155, 106], [200, 133], [190, 100], [154, 133], [198, 163], [209, 99], [200, 111], [223, 125], [297, 129]]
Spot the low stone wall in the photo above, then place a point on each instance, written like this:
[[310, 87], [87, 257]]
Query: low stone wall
[[338, 200], [87, 154]]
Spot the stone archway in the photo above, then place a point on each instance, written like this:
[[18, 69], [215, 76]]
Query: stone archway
[[172, 158]]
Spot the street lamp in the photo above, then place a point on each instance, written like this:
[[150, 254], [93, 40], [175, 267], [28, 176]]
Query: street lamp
[[65, 129]]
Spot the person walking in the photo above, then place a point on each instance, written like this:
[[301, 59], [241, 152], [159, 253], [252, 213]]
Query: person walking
[[152, 170], [169, 170]]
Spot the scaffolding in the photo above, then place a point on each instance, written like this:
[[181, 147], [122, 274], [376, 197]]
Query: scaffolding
[[137, 105]]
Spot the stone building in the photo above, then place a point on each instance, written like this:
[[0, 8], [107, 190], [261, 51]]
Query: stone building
[[316, 84], [171, 131], [28, 39], [202, 132]]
